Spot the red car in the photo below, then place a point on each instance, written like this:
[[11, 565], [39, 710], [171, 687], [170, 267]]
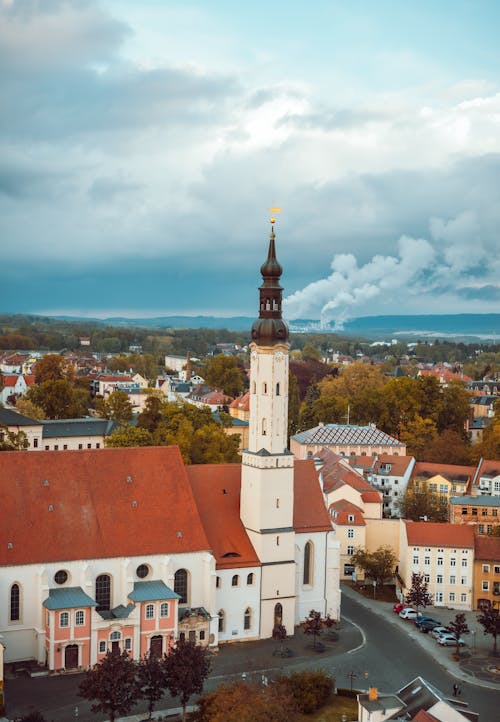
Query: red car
[[399, 606]]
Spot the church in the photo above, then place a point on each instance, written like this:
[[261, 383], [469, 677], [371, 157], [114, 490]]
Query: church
[[130, 549]]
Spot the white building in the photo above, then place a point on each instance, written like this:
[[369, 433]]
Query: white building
[[128, 549]]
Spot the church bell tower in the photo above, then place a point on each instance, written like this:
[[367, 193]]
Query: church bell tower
[[266, 506]]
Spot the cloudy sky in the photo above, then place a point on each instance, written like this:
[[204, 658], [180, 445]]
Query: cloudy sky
[[142, 144]]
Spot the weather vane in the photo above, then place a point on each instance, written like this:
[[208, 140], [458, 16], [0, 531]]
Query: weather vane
[[272, 220]]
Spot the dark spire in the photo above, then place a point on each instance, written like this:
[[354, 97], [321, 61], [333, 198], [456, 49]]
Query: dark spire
[[270, 327]]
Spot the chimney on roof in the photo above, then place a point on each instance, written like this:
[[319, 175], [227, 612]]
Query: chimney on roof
[[321, 423], [372, 694]]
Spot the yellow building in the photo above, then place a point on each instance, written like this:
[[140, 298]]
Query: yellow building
[[444, 479], [487, 572]]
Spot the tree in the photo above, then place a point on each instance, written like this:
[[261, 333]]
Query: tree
[[129, 436], [116, 407], [378, 565], [455, 408], [314, 624], [186, 668], [417, 434], [420, 502], [113, 683], [489, 619], [247, 702], [458, 627], [151, 677], [12, 441], [418, 594], [27, 408], [449, 445], [225, 373], [52, 367], [59, 399], [150, 416]]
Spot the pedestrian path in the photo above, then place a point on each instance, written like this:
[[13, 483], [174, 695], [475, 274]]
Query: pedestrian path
[[476, 665]]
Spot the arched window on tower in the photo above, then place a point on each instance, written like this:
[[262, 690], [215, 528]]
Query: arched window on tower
[[264, 388], [278, 389], [308, 563], [247, 619]]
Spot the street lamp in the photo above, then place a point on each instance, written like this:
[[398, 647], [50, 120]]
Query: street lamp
[[351, 676]]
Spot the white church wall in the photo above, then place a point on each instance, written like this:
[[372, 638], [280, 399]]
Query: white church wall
[[234, 599]]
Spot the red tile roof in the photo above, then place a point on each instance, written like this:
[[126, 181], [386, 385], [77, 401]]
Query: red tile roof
[[399, 464], [9, 380], [423, 716], [93, 513], [449, 471], [336, 473], [309, 511], [242, 402], [216, 489], [344, 508], [487, 548], [118, 377], [29, 379], [426, 533], [371, 497], [488, 467]]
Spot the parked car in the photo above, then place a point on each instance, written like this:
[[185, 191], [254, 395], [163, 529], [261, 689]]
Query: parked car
[[409, 613], [428, 625], [423, 619], [398, 607], [437, 631], [449, 640]]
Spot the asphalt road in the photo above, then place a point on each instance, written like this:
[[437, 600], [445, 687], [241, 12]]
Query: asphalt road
[[388, 659]]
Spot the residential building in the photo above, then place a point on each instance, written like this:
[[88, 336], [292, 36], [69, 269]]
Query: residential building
[[75, 434], [418, 701], [129, 550], [444, 553], [445, 375], [489, 387], [444, 479], [388, 474], [240, 407], [487, 573], [15, 423], [14, 387], [350, 531], [345, 440], [486, 480], [480, 512]]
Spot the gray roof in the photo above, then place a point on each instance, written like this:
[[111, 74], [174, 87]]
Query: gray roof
[[332, 434], [151, 591], [77, 427], [12, 418], [482, 500], [68, 598]]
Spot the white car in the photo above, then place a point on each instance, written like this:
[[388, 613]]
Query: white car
[[449, 640], [438, 631], [409, 613]]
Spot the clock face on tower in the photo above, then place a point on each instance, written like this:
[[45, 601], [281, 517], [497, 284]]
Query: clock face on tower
[[279, 356]]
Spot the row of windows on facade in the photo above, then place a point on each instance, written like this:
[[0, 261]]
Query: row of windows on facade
[[307, 569], [440, 577], [264, 388], [485, 586], [102, 590], [439, 597], [65, 446], [440, 561], [484, 512], [150, 612]]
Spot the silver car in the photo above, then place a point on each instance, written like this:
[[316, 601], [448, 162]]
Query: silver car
[[449, 640], [438, 631]]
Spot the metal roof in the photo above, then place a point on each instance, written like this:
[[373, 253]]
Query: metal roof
[[77, 427], [349, 434], [151, 591], [12, 418], [68, 598], [482, 500]]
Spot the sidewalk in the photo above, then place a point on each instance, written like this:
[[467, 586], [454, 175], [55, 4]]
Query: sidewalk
[[476, 666]]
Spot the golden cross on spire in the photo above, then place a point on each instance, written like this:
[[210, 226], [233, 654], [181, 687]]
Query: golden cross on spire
[[272, 220]]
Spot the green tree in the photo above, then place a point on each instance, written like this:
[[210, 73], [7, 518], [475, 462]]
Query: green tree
[[211, 445], [489, 447], [449, 445], [27, 408], [402, 400], [152, 680], [420, 503], [418, 595], [310, 689], [12, 440], [378, 565], [113, 683], [458, 627], [186, 669], [225, 373], [489, 619], [116, 407], [59, 399], [129, 436], [455, 408], [310, 351]]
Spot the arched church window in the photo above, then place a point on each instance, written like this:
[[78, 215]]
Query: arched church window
[[278, 614], [181, 585], [247, 619], [103, 592], [221, 620], [308, 559], [15, 603]]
